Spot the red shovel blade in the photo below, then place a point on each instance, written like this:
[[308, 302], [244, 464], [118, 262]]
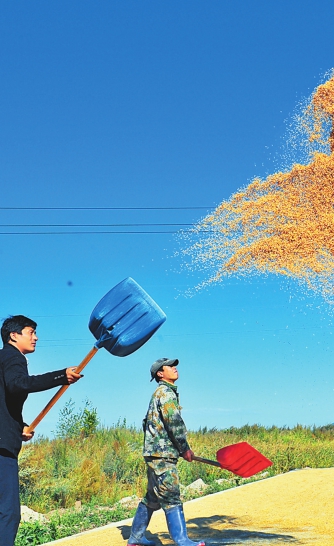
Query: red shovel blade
[[242, 459]]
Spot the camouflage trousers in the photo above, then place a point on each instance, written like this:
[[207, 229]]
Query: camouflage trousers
[[163, 488]]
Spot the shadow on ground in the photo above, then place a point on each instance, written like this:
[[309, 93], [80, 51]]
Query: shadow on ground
[[210, 530]]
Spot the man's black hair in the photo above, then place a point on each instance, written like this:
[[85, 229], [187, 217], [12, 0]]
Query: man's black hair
[[16, 324]]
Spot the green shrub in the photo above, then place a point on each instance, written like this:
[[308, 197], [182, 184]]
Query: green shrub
[[72, 424]]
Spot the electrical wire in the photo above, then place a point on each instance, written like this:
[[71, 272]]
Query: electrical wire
[[107, 208], [87, 232], [76, 342], [178, 225], [116, 231], [95, 225]]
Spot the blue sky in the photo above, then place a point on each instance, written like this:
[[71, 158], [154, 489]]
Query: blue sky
[[149, 113]]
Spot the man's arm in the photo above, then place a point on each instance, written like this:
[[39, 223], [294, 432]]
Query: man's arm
[[188, 455], [18, 380], [72, 377], [26, 436], [174, 423]]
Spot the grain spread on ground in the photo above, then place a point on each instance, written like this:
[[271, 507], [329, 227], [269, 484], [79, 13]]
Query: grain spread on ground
[[292, 508]]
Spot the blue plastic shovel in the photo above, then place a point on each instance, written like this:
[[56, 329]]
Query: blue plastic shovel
[[123, 320]]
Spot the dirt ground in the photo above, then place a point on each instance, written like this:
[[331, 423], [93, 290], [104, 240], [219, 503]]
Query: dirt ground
[[295, 508]]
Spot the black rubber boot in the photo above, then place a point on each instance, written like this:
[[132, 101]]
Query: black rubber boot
[[139, 526], [177, 527]]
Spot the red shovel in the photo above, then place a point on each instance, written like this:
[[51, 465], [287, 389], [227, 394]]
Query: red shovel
[[242, 459]]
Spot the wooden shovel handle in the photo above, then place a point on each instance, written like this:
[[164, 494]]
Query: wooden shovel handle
[[61, 391], [206, 461]]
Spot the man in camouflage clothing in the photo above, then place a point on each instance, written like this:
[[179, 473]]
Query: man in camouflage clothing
[[164, 442]]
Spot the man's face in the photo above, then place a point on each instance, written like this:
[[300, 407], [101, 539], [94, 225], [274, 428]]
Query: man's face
[[25, 341], [169, 374]]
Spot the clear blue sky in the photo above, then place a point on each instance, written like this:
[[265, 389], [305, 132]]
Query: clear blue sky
[[155, 105]]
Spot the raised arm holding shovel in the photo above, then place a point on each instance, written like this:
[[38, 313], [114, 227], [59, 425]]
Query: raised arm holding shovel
[[19, 339]]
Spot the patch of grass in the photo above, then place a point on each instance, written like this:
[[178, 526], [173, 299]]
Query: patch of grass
[[70, 522]]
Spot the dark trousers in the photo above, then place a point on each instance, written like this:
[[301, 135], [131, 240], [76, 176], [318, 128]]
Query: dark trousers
[[10, 511]]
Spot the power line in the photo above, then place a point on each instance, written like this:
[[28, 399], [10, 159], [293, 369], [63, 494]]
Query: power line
[[108, 208], [107, 232], [76, 342], [95, 225], [90, 232]]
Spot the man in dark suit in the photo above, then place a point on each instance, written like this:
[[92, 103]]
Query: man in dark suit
[[19, 338]]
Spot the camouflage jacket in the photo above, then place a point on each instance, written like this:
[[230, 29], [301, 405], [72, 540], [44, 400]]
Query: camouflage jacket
[[164, 429]]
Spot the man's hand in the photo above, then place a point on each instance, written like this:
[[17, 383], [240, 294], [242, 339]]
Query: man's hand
[[26, 436], [188, 455], [72, 375]]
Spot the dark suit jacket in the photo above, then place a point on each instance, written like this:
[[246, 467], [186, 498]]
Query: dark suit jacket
[[15, 385]]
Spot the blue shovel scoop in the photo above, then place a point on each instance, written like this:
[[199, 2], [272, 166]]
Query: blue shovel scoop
[[123, 320]]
